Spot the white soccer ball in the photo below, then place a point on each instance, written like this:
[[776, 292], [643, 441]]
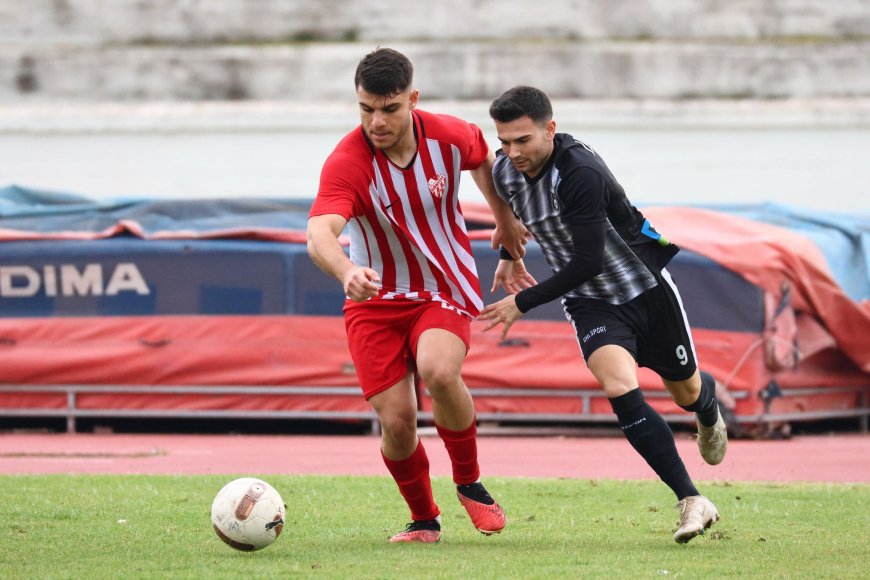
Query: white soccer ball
[[248, 514]]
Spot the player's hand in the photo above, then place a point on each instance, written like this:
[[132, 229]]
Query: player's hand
[[360, 283], [504, 312], [512, 276], [512, 235]]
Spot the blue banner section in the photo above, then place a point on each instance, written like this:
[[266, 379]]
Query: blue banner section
[[713, 297], [843, 239], [128, 275], [131, 276]]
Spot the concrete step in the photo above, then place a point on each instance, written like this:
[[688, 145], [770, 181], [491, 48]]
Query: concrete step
[[456, 70], [386, 21]]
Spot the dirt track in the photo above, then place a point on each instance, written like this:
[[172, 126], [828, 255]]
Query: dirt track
[[816, 458]]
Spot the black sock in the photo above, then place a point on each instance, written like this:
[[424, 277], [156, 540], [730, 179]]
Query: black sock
[[706, 408], [652, 438], [476, 491]]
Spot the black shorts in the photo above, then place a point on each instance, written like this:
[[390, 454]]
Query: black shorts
[[653, 327]]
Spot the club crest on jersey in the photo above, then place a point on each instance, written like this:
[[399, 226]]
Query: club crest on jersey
[[554, 196], [437, 185]]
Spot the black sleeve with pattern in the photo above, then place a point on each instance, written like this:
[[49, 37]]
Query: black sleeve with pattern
[[587, 262], [582, 194]]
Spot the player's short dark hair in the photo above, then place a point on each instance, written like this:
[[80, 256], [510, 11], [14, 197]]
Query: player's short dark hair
[[384, 72], [522, 101]]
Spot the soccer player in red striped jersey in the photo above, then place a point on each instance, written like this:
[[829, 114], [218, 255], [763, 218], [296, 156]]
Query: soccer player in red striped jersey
[[410, 279]]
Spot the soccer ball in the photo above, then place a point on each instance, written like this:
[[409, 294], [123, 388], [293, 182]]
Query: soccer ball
[[248, 514]]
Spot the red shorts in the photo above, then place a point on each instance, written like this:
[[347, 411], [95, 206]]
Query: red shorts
[[383, 334]]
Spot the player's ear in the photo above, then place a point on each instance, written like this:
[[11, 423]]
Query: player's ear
[[551, 129], [414, 98]]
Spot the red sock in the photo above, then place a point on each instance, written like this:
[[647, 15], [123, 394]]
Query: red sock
[[462, 449], [412, 477]]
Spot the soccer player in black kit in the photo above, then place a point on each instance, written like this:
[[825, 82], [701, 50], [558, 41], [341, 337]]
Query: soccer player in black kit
[[609, 269]]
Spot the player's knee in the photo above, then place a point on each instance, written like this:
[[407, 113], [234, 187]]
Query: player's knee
[[616, 388], [695, 393], [708, 382], [440, 378], [684, 392], [396, 417], [399, 426]]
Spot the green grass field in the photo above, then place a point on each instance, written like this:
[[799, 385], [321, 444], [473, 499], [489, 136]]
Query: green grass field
[[116, 526]]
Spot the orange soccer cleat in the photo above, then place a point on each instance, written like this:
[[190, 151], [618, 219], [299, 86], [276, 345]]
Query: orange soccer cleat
[[486, 515], [422, 532]]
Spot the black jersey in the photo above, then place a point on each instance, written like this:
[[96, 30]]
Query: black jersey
[[574, 188]]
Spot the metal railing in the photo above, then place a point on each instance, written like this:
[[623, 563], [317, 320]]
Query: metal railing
[[72, 411]]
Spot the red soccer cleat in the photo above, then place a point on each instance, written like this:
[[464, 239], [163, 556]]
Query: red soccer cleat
[[422, 532], [486, 515]]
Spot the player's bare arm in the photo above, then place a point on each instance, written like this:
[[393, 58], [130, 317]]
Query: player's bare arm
[[359, 283], [509, 231], [512, 276], [503, 312]]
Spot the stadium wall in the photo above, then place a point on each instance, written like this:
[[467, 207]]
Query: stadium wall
[[235, 50]]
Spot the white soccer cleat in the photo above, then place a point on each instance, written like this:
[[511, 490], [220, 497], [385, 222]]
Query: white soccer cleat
[[713, 441], [697, 513]]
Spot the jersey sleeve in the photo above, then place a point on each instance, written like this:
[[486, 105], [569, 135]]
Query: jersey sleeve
[[586, 263], [477, 147], [582, 193], [341, 183], [499, 169], [465, 136]]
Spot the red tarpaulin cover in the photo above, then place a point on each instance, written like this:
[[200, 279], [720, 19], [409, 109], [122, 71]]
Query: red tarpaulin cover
[[311, 350]]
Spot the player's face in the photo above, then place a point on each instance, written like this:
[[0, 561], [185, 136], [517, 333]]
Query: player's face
[[527, 144], [387, 120]]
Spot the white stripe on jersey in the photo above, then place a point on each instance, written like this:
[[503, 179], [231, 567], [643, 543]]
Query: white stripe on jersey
[[364, 247], [466, 258], [420, 248], [438, 163], [436, 229], [415, 296], [403, 276], [392, 218], [380, 190]]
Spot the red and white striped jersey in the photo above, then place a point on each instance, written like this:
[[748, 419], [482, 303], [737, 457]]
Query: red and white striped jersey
[[406, 223]]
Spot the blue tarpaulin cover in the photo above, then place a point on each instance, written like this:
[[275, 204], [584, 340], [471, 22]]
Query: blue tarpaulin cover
[[276, 277]]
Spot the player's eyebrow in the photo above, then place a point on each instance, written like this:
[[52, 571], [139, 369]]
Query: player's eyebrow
[[520, 138], [391, 108]]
